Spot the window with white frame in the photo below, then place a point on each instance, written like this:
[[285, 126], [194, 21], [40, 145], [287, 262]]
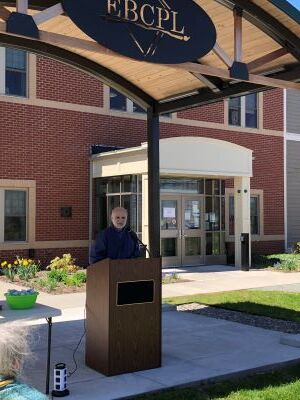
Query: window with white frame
[[119, 102], [243, 111], [13, 70], [254, 215], [13, 215]]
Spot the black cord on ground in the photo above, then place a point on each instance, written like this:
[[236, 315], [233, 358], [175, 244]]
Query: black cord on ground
[[77, 347]]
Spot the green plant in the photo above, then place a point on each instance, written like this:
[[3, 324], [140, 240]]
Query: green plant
[[65, 263], [169, 277], [290, 264], [9, 270], [47, 283], [26, 268], [76, 279], [296, 248], [50, 285], [57, 275]]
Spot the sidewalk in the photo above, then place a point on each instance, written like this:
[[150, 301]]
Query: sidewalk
[[195, 348]]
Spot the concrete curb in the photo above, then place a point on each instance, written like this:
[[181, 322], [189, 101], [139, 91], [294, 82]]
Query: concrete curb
[[290, 340]]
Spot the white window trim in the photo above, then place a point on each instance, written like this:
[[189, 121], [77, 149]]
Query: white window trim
[[30, 187], [254, 192], [3, 75], [129, 108], [2, 214]]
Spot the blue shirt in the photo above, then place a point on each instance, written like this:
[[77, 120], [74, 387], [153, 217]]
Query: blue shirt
[[114, 244]]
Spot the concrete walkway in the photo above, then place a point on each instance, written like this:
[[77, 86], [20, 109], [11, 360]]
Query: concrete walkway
[[195, 348]]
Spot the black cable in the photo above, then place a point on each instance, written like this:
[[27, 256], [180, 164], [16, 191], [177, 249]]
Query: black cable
[[77, 347]]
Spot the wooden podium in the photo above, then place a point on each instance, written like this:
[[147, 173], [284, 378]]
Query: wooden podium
[[123, 315]]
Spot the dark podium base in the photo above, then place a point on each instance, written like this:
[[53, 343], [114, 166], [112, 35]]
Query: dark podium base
[[123, 315]]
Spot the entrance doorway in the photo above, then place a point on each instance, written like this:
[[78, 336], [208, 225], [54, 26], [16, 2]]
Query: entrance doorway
[[182, 230]]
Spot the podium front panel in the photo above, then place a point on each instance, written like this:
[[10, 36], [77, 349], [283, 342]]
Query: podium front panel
[[129, 328]]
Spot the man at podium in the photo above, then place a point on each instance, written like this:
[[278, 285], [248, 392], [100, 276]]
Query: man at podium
[[117, 241]]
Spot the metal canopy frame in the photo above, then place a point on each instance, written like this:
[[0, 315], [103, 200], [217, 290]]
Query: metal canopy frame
[[233, 80], [217, 88]]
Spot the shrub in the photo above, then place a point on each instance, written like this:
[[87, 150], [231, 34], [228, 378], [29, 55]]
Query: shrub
[[65, 263], [289, 264], [57, 275], [296, 248], [76, 279], [260, 260], [48, 284]]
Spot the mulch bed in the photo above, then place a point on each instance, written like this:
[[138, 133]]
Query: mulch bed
[[60, 289], [242, 318]]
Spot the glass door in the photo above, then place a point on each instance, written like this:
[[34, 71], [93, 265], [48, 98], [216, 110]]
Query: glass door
[[170, 230], [182, 237], [192, 230]]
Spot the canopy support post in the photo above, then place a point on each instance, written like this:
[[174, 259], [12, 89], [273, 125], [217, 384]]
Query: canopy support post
[[153, 182]]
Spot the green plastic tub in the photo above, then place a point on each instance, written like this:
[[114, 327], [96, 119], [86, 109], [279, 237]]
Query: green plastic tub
[[21, 302]]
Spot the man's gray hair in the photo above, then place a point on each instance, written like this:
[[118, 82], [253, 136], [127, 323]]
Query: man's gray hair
[[13, 348]]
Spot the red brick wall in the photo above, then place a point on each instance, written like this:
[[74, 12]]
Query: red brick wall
[[273, 109], [51, 146], [60, 82], [210, 113]]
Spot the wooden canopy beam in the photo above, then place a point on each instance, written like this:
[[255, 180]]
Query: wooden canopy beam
[[223, 56], [238, 32], [274, 55], [225, 74], [48, 13]]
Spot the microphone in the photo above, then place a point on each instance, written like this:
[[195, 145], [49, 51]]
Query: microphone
[[135, 237]]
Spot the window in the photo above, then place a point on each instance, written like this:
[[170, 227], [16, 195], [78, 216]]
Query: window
[[254, 215], [243, 111], [124, 191], [15, 72], [214, 216], [119, 102], [13, 213]]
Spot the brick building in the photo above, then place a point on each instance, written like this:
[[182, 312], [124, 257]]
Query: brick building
[[52, 119]]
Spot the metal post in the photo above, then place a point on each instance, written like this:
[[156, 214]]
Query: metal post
[[153, 182], [49, 320]]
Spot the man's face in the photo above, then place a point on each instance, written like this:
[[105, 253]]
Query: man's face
[[119, 219]]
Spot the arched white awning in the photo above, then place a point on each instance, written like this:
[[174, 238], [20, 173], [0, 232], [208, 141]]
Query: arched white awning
[[204, 156], [180, 156]]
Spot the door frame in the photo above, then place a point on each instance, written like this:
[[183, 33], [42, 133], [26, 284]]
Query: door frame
[[180, 233]]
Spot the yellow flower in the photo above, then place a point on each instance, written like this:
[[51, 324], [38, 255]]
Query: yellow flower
[[3, 263], [30, 261], [25, 263], [9, 266], [16, 262]]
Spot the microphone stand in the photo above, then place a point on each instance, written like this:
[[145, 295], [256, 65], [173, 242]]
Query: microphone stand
[[135, 237]]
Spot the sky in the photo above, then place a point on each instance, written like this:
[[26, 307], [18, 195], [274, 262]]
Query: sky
[[296, 3]]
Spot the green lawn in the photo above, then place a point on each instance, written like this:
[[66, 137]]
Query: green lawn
[[273, 304], [282, 384]]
